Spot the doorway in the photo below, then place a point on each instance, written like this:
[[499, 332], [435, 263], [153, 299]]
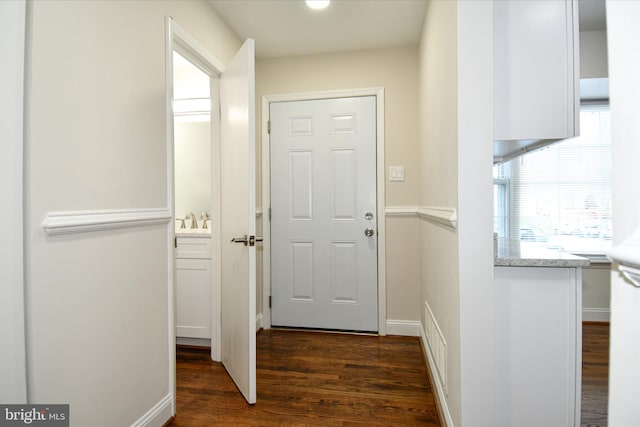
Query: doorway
[[194, 163], [192, 140], [232, 139], [372, 217]]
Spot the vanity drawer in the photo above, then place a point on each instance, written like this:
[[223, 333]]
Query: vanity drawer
[[193, 247]]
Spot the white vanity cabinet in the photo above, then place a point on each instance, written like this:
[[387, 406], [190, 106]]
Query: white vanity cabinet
[[536, 70], [193, 286]]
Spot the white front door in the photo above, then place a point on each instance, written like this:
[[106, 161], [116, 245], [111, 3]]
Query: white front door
[[238, 220], [323, 214]]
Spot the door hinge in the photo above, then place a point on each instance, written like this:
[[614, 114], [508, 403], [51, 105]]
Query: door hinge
[[269, 301], [269, 126]]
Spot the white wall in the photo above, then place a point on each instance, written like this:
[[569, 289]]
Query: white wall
[[192, 168], [456, 72], [475, 212], [624, 69], [396, 69], [596, 285], [13, 387], [98, 303], [595, 279], [439, 161], [593, 54]]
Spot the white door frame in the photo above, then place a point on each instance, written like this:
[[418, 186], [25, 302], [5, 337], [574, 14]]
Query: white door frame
[[378, 92], [181, 41]]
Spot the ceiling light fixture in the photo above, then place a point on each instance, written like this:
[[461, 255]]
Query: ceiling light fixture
[[318, 4]]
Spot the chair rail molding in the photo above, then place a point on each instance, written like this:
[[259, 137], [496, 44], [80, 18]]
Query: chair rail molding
[[443, 215], [70, 222], [401, 210], [627, 255]]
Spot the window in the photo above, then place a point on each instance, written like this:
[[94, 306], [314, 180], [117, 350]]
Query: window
[[560, 196]]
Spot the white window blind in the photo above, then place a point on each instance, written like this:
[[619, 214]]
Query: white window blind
[[560, 196]]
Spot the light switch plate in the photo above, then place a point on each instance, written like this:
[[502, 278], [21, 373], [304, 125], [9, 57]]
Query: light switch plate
[[396, 173]]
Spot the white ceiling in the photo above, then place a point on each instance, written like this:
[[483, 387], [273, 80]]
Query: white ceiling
[[288, 27]]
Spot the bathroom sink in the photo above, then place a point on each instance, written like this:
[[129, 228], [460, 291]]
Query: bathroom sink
[[193, 232]]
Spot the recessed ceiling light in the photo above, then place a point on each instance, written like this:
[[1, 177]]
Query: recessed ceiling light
[[318, 4]]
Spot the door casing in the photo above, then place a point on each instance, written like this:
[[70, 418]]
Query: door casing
[[378, 92]]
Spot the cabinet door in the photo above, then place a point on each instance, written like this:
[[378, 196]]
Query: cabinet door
[[536, 70], [193, 298], [538, 346]]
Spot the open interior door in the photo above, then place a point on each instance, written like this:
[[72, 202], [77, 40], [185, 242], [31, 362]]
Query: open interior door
[[238, 220]]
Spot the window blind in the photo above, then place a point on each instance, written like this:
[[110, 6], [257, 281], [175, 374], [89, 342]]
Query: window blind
[[560, 196]]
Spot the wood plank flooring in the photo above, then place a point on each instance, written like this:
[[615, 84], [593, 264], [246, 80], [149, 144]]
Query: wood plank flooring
[[312, 379], [595, 374]]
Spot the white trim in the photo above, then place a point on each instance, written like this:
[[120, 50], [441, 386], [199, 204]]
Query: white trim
[[169, 28], [266, 206], [575, 377], [405, 328], [378, 92], [595, 314], [197, 54], [401, 210], [13, 369], [259, 321], [158, 415], [69, 222], [446, 216], [442, 400]]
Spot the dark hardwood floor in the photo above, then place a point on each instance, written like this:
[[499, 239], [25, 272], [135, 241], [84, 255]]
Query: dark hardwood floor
[[595, 374], [312, 379], [321, 379]]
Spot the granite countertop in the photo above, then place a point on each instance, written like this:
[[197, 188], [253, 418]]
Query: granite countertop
[[515, 253]]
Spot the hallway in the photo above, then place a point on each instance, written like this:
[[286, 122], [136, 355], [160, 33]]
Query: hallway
[[312, 378]]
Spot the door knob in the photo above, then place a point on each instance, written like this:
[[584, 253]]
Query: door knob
[[368, 232], [243, 240]]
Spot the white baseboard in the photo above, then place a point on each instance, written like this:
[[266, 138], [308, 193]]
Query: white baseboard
[[442, 401], [158, 415], [406, 328], [259, 319], [596, 314]]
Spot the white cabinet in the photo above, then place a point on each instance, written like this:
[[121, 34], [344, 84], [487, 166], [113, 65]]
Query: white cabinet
[[536, 70], [193, 287], [538, 346]]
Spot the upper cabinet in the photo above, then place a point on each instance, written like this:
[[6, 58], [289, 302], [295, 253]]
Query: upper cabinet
[[536, 74]]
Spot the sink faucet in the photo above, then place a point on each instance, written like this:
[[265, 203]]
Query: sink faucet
[[204, 216], [192, 217]]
